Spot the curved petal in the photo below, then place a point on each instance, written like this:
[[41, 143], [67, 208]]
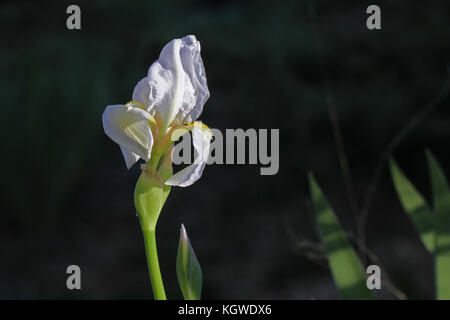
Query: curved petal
[[141, 92], [165, 92], [130, 157], [129, 127], [193, 66], [201, 140], [175, 87]]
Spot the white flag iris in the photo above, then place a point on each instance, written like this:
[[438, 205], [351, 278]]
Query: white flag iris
[[170, 97]]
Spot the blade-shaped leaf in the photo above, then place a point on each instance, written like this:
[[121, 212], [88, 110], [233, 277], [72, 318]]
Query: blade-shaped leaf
[[345, 266], [415, 205], [189, 271], [441, 206]]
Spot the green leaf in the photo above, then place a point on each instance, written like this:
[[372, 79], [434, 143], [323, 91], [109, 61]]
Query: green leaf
[[189, 271], [441, 206], [415, 205], [345, 266]]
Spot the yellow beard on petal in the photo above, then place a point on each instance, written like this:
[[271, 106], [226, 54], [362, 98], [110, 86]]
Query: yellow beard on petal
[[198, 124]]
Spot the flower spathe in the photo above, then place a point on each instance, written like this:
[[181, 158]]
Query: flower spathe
[[166, 102]]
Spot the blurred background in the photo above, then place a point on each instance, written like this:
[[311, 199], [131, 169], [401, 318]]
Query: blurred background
[[67, 197]]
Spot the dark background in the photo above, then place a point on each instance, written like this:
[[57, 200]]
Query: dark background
[[67, 197]]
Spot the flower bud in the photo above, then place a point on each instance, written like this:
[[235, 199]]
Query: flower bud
[[189, 272]]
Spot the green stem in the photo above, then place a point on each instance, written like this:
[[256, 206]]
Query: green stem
[[154, 161], [153, 264]]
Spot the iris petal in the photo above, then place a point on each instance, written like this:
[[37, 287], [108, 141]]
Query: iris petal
[[201, 139], [175, 87], [129, 127], [130, 157]]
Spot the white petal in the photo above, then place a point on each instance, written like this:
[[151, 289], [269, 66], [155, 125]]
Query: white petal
[[201, 140], [193, 66], [130, 157], [141, 92], [175, 87], [128, 127], [164, 101]]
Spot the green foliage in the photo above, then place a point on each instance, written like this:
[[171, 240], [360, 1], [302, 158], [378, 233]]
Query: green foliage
[[432, 224], [441, 206], [415, 205], [189, 271], [344, 263]]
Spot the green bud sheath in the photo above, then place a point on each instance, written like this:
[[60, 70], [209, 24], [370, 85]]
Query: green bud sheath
[[189, 272], [148, 197]]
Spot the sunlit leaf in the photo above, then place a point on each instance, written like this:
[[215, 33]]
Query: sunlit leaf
[[415, 205], [345, 266], [441, 206], [189, 271]]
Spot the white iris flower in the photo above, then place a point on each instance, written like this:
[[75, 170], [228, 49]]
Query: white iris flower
[[169, 98]]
